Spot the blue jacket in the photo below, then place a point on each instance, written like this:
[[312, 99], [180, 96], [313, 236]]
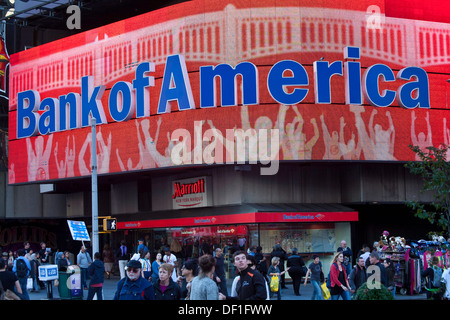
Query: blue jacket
[[96, 270], [141, 289]]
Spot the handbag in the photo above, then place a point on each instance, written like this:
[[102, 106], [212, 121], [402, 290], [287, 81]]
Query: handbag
[[326, 292], [274, 283]]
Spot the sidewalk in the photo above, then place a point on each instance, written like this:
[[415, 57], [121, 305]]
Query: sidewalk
[[110, 285]]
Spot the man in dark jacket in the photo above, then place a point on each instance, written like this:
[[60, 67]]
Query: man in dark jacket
[[96, 270], [134, 286], [251, 284], [295, 263], [358, 276], [374, 259]]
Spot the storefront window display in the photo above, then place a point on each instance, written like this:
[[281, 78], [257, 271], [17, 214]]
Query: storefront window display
[[307, 238], [192, 242]]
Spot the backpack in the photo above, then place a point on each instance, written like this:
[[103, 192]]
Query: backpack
[[329, 279], [21, 268], [437, 277]]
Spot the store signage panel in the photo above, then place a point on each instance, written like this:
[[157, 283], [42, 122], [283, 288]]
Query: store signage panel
[[244, 218], [191, 193], [336, 90]]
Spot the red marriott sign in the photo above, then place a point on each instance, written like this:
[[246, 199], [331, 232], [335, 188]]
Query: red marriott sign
[[191, 193], [188, 188]]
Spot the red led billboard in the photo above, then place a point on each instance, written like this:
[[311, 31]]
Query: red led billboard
[[329, 102]]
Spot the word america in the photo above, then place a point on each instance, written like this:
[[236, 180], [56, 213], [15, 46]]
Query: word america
[[127, 99]]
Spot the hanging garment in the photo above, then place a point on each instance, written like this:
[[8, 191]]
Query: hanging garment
[[440, 256], [412, 277]]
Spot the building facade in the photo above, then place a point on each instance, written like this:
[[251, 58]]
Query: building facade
[[223, 123]]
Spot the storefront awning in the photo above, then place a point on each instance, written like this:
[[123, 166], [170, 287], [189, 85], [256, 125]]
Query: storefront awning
[[242, 214]]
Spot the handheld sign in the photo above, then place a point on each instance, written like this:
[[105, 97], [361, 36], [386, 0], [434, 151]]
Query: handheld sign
[[78, 230]]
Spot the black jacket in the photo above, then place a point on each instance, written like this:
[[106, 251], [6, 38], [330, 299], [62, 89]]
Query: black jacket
[[251, 286], [280, 254], [357, 277], [171, 293], [295, 262]]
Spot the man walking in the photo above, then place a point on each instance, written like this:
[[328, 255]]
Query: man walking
[[358, 276], [295, 263], [123, 257], [22, 269], [220, 272], [377, 270], [251, 284], [347, 256], [96, 271], [83, 261]]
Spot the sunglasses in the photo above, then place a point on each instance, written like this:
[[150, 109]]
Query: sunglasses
[[134, 270]]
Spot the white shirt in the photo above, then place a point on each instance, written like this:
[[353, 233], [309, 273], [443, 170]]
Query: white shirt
[[365, 256], [446, 279], [171, 259]]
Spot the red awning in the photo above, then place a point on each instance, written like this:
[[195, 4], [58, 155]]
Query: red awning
[[243, 218]]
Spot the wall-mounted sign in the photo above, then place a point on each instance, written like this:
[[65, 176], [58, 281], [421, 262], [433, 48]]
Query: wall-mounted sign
[[339, 82], [191, 193]]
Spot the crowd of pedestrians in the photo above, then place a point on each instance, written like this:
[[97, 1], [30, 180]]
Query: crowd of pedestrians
[[204, 278]]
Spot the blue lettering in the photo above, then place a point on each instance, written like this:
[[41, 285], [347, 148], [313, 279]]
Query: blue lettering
[[121, 94], [228, 89], [141, 83], [371, 85], [277, 82], [352, 75], [48, 120], [91, 104], [323, 71], [413, 94], [176, 85], [69, 104], [27, 116]]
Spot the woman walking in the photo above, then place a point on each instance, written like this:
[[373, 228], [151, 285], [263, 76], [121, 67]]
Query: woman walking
[[314, 269], [338, 278]]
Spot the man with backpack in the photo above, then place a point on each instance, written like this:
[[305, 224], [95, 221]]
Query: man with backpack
[[434, 274], [22, 269], [358, 276]]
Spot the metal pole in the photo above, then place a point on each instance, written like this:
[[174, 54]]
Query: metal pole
[[94, 187]]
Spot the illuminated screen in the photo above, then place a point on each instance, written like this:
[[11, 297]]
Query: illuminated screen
[[211, 33]]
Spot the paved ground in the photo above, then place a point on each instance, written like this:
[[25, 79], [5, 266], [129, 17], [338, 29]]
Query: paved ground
[[286, 294]]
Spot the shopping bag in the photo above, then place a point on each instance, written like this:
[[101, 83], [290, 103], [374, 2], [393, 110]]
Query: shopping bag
[[326, 292], [29, 283], [274, 283]]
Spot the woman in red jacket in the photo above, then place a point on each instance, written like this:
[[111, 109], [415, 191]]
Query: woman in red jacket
[[338, 278]]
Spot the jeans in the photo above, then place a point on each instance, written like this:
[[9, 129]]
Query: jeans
[[83, 277], [93, 291], [344, 294], [122, 265], [223, 285], [317, 293], [23, 286]]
